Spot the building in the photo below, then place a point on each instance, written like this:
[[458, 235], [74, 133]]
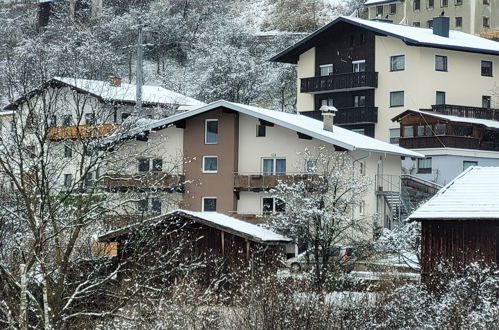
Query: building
[[478, 17], [460, 225], [452, 138], [81, 10], [372, 71], [232, 154]]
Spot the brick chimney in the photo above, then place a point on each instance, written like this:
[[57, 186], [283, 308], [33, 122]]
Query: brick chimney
[[328, 113], [441, 26], [115, 81]]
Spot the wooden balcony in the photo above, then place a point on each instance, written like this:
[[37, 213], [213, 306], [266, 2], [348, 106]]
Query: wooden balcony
[[338, 82], [422, 142], [146, 181], [80, 131], [465, 111], [259, 182], [359, 115]]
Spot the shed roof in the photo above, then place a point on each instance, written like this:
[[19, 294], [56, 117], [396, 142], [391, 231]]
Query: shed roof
[[212, 219], [473, 195], [414, 36]]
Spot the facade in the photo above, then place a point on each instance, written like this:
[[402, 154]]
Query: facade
[[460, 225], [372, 71], [451, 143], [478, 17]]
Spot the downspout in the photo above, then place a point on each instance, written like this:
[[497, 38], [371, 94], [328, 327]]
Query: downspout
[[353, 177]]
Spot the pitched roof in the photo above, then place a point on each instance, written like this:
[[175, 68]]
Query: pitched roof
[[126, 93], [411, 35], [211, 219], [483, 122], [379, 2], [341, 137], [473, 195]]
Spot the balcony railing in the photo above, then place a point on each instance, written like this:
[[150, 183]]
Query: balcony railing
[[341, 81], [80, 131], [360, 115], [153, 180], [257, 182], [421, 142], [465, 111]]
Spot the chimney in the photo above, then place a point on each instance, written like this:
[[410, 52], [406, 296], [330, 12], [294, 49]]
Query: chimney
[[115, 81], [328, 113], [441, 26]]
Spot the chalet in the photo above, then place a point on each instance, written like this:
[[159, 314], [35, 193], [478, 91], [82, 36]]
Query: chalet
[[239, 244], [460, 225], [452, 138]]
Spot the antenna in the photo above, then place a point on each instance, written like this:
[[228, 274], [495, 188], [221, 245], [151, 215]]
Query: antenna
[[139, 81]]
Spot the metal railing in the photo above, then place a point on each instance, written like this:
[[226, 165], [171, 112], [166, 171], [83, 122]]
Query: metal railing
[[465, 111]]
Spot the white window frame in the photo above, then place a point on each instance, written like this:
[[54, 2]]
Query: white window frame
[[324, 66], [362, 208], [274, 171], [356, 64], [274, 199], [204, 169], [202, 203], [206, 131]]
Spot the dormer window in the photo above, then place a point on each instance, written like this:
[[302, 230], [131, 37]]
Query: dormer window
[[326, 69]]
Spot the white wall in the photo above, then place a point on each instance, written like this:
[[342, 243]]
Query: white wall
[[305, 69]]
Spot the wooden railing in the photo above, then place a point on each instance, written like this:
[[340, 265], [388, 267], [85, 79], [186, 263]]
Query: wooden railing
[[243, 181], [420, 142], [350, 80], [80, 131], [465, 111], [152, 180]]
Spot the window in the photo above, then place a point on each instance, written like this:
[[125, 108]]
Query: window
[[424, 165], [416, 24], [393, 9], [211, 131], [459, 22], [431, 3], [486, 101], [459, 2], [408, 131], [261, 130], [89, 119], [444, 3], [149, 205], [150, 164], [487, 68], [326, 69], [359, 131], [440, 63], [68, 180], [210, 164], [143, 164], [272, 205], [429, 23], [124, 116], [424, 130], [68, 152], [468, 163], [359, 101], [379, 11], [359, 66], [328, 101], [417, 4], [362, 207], [311, 166], [486, 2], [397, 63], [440, 98], [486, 21], [440, 129], [157, 164], [67, 120], [88, 180], [394, 135], [273, 166], [397, 99], [53, 121], [209, 204]]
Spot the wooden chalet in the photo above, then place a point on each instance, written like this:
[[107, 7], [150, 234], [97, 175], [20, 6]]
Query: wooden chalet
[[460, 224], [236, 244]]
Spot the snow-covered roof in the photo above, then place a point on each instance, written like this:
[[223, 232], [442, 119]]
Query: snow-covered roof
[[379, 2], [127, 92], [212, 219], [473, 195], [484, 122], [341, 137], [411, 35]]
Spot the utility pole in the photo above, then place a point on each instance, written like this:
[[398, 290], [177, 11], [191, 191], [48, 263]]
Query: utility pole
[[23, 306], [139, 81]]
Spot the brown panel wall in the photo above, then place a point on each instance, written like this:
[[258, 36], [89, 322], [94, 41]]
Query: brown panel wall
[[221, 184]]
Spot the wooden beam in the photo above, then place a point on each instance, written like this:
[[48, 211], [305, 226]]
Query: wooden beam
[[304, 136], [266, 123]]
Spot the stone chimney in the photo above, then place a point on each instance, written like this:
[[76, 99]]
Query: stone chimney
[[328, 113], [441, 26], [115, 81]]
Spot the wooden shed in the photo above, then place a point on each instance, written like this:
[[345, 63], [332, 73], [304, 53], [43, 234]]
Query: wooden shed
[[460, 224], [236, 244]]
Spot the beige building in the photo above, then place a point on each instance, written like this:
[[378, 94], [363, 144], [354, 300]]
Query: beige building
[[470, 16]]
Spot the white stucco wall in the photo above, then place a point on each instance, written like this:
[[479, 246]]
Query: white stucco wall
[[305, 69]]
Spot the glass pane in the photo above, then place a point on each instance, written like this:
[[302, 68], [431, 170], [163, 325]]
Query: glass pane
[[311, 166], [440, 129], [467, 164], [397, 63], [142, 205], [268, 166], [440, 98], [156, 205], [212, 131], [210, 163], [143, 165], [396, 99], [408, 131], [268, 205], [326, 70], [209, 204], [280, 167], [280, 206], [157, 164]]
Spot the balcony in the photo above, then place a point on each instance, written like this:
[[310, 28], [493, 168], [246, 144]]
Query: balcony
[[148, 181], [465, 111], [339, 82], [259, 182], [360, 115], [80, 131], [422, 142]]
